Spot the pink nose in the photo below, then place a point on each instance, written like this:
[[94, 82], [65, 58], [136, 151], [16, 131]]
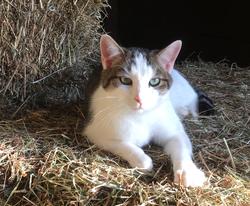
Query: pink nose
[[138, 99]]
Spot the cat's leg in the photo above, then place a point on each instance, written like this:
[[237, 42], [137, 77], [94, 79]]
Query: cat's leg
[[186, 172], [130, 152]]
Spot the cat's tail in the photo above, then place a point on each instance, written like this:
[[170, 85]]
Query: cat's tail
[[205, 104]]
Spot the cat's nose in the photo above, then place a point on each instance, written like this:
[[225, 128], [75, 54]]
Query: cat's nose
[[138, 99]]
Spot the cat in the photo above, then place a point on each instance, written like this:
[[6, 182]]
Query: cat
[[131, 108]]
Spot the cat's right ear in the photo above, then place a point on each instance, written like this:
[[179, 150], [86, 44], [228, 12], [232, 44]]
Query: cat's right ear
[[110, 51], [166, 57]]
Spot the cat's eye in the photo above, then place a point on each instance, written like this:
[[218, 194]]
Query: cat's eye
[[154, 82], [125, 80]]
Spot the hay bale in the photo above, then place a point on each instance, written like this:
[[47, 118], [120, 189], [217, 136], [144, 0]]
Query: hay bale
[[41, 44]]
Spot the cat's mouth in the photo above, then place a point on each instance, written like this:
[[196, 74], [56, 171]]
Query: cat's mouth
[[138, 108]]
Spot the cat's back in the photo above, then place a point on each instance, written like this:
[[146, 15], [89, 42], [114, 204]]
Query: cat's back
[[182, 95], [181, 87]]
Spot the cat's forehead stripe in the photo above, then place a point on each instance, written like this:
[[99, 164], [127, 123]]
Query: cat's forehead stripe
[[140, 64]]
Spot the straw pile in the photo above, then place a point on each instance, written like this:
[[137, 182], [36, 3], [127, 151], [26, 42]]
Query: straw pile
[[45, 161], [47, 47]]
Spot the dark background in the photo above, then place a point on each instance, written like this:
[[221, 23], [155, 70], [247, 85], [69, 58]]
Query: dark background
[[212, 30]]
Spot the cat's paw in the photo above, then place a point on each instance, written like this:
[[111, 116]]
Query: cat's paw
[[144, 163], [190, 176]]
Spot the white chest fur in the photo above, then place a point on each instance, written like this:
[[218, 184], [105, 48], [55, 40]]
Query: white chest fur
[[116, 122]]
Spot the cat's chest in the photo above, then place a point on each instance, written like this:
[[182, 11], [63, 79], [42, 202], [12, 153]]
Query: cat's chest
[[141, 129], [134, 128]]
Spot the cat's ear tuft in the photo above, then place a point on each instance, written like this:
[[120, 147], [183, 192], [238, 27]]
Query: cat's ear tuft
[[110, 51], [166, 57]]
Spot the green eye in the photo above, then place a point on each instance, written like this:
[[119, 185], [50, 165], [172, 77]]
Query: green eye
[[125, 80], [154, 82]]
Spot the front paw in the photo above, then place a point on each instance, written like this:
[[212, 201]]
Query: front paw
[[189, 176], [143, 162]]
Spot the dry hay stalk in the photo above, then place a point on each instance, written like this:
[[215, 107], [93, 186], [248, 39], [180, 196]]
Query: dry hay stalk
[[40, 38], [45, 161]]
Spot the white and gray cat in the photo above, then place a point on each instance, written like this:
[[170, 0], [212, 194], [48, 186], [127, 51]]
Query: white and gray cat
[[140, 100]]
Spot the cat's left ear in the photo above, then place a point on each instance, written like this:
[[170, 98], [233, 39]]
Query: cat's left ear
[[166, 57]]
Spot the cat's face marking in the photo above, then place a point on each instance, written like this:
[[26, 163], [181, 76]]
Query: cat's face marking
[[137, 77], [149, 81], [137, 80]]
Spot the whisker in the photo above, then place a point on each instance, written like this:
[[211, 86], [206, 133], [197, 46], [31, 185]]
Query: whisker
[[106, 98], [105, 114], [101, 111], [108, 120]]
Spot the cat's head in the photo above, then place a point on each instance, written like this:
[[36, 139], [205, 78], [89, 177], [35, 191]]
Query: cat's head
[[139, 78]]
